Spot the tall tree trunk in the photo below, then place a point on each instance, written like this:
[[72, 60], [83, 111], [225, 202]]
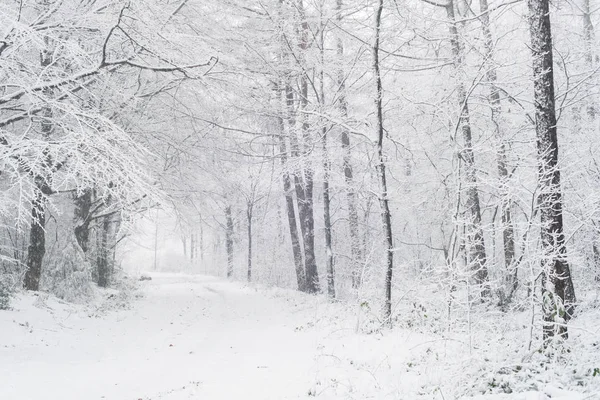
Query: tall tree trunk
[[289, 202], [556, 275], [37, 242], [307, 203], [326, 172], [356, 248], [290, 181], [591, 62], [475, 242], [249, 208], [37, 234], [229, 240], [386, 216], [508, 232]]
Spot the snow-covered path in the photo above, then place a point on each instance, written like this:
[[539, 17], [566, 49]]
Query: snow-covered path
[[204, 338], [188, 337]]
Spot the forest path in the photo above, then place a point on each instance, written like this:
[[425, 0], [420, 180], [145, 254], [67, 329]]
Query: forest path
[[189, 337]]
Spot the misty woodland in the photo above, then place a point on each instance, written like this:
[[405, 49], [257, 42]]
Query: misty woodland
[[288, 199]]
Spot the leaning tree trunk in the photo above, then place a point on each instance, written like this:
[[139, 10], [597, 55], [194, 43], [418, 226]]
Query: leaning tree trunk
[[287, 96], [556, 277], [229, 240], [289, 202], [386, 215], [356, 248], [508, 232], [474, 231], [300, 199]]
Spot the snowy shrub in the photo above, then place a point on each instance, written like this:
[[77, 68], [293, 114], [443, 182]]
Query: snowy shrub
[[5, 294], [67, 274]]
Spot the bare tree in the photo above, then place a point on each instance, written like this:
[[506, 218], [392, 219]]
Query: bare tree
[[386, 215], [556, 276]]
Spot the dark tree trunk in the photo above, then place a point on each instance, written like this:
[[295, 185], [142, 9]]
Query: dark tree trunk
[[82, 217], [356, 249], [229, 240], [508, 232], [474, 231], [37, 234], [386, 215], [37, 243], [557, 284], [103, 260]]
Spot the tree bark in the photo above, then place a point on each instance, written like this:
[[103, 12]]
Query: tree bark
[[289, 202], [326, 172], [82, 217], [103, 262], [37, 242], [474, 232], [37, 234], [508, 232], [386, 216], [229, 240], [356, 249], [307, 203], [286, 95], [249, 209], [556, 277]]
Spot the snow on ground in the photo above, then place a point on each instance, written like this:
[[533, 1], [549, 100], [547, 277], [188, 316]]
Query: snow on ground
[[199, 337]]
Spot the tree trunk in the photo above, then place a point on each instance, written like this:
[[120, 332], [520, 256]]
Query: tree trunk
[[192, 247], [37, 242], [289, 202], [287, 95], [590, 61], [103, 259], [508, 232], [229, 240], [249, 208], [201, 244], [383, 199], [475, 242], [556, 275], [37, 234], [82, 217], [356, 249], [307, 203], [326, 171]]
